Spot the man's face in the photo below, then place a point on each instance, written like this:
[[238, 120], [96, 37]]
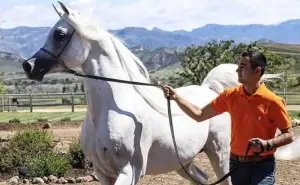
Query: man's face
[[245, 73]]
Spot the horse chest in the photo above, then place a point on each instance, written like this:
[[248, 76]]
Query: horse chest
[[116, 137]]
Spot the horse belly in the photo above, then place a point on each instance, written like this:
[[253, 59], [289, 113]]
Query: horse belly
[[190, 138]]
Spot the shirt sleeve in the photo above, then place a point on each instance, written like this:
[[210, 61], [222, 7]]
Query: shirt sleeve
[[278, 114], [220, 103]]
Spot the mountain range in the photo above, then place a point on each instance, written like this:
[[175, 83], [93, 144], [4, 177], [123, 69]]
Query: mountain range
[[26, 40]]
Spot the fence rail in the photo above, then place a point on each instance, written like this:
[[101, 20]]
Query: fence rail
[[23, 102], [13, 102]]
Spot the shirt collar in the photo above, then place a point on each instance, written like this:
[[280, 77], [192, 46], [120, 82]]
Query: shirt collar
[[260, 91]]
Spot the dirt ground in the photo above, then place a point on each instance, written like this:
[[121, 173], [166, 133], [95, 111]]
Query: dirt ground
[[287, 172]]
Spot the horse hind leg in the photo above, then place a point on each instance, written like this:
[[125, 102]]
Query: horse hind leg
[[194, 173], [217, 148]]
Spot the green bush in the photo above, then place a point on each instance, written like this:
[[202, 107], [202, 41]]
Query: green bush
[[66, 119], [14, 120], [34, 150], [77, 158], [7, 160], [46, 164], [32, 141]]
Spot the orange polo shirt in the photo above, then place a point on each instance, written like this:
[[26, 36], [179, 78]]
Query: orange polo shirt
[[255, 116]]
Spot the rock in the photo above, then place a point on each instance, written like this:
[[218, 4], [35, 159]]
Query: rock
[[46, 180], [71, 180], [295, 122], [37, 180], [14, 180], [62, 180], [52, 179], [46, 126], [79, 179], [25, 181], [88, 178]]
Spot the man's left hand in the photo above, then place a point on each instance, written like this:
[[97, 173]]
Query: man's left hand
[[256, 147]]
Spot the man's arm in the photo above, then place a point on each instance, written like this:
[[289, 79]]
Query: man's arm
[[286, 137], [194, 111]]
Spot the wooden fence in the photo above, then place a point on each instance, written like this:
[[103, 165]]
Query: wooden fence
[[68, 101], [21, 102]]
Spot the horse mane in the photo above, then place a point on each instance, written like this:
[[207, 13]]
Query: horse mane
[[138, 72]]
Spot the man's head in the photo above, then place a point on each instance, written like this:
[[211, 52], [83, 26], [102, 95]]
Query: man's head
[[251, 67]]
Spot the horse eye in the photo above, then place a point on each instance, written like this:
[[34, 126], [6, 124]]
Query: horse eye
[[59, 34]]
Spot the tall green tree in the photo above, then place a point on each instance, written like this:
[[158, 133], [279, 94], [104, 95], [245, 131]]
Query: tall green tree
[[197, 61]]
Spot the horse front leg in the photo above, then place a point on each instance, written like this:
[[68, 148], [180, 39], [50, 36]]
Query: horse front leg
[[129, 175], [103, 179]]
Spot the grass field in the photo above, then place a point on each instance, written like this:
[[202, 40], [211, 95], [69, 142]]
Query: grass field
[[31, 117], [27, 117]]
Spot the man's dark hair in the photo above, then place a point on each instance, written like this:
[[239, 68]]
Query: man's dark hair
[[256, 59]]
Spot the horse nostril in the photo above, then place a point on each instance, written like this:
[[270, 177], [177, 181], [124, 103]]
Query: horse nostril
[[27, 66]]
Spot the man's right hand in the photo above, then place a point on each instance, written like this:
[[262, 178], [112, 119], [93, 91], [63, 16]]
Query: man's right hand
[[169, 91]]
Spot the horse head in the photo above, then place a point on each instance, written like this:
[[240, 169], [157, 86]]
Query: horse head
[[64, 47]]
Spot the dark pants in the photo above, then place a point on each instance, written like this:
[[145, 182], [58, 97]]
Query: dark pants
[[254, 173]]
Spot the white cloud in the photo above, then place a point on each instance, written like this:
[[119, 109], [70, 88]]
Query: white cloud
[[166, 14]]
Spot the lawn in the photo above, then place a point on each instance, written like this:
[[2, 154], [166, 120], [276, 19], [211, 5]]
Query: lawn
[[30, 117]]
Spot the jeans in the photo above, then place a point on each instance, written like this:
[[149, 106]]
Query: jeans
[[254, 173]]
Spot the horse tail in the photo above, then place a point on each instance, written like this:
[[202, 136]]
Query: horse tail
[[225, 76], [221, 77]]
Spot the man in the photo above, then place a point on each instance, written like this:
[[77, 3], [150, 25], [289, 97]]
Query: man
[[255, 113]]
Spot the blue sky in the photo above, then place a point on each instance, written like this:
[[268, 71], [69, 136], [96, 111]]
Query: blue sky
[[164, 14]]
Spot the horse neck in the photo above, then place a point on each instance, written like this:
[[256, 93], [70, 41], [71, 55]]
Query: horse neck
[[103, 95], [118, 62]]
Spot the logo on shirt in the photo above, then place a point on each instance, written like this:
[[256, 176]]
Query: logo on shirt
[[259, 118]]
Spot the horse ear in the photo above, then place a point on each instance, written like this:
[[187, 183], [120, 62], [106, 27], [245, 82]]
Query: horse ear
[[65, 9], [57, 11]]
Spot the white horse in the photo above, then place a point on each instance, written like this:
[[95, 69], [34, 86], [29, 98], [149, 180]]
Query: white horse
[[126, 131]]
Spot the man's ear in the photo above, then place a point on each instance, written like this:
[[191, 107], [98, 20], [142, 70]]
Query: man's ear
[[258, 70]]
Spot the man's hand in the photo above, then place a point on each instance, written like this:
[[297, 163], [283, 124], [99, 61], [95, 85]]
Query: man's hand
[[169, 91], [189, 108], [256, 147]]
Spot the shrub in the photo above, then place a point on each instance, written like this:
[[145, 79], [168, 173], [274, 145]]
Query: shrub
[[25, 146], [77, 158], [14, 120], [7, 160], [46, 164], [66, 119], [32, 141]]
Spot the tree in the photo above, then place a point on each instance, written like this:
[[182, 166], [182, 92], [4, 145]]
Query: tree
[[197, 61]]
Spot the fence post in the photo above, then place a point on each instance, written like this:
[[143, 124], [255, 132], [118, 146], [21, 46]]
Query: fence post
[[30, 101], [72, 101], [8, 107]]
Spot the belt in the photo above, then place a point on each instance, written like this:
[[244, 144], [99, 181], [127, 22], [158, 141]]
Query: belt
[[251, 158]]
